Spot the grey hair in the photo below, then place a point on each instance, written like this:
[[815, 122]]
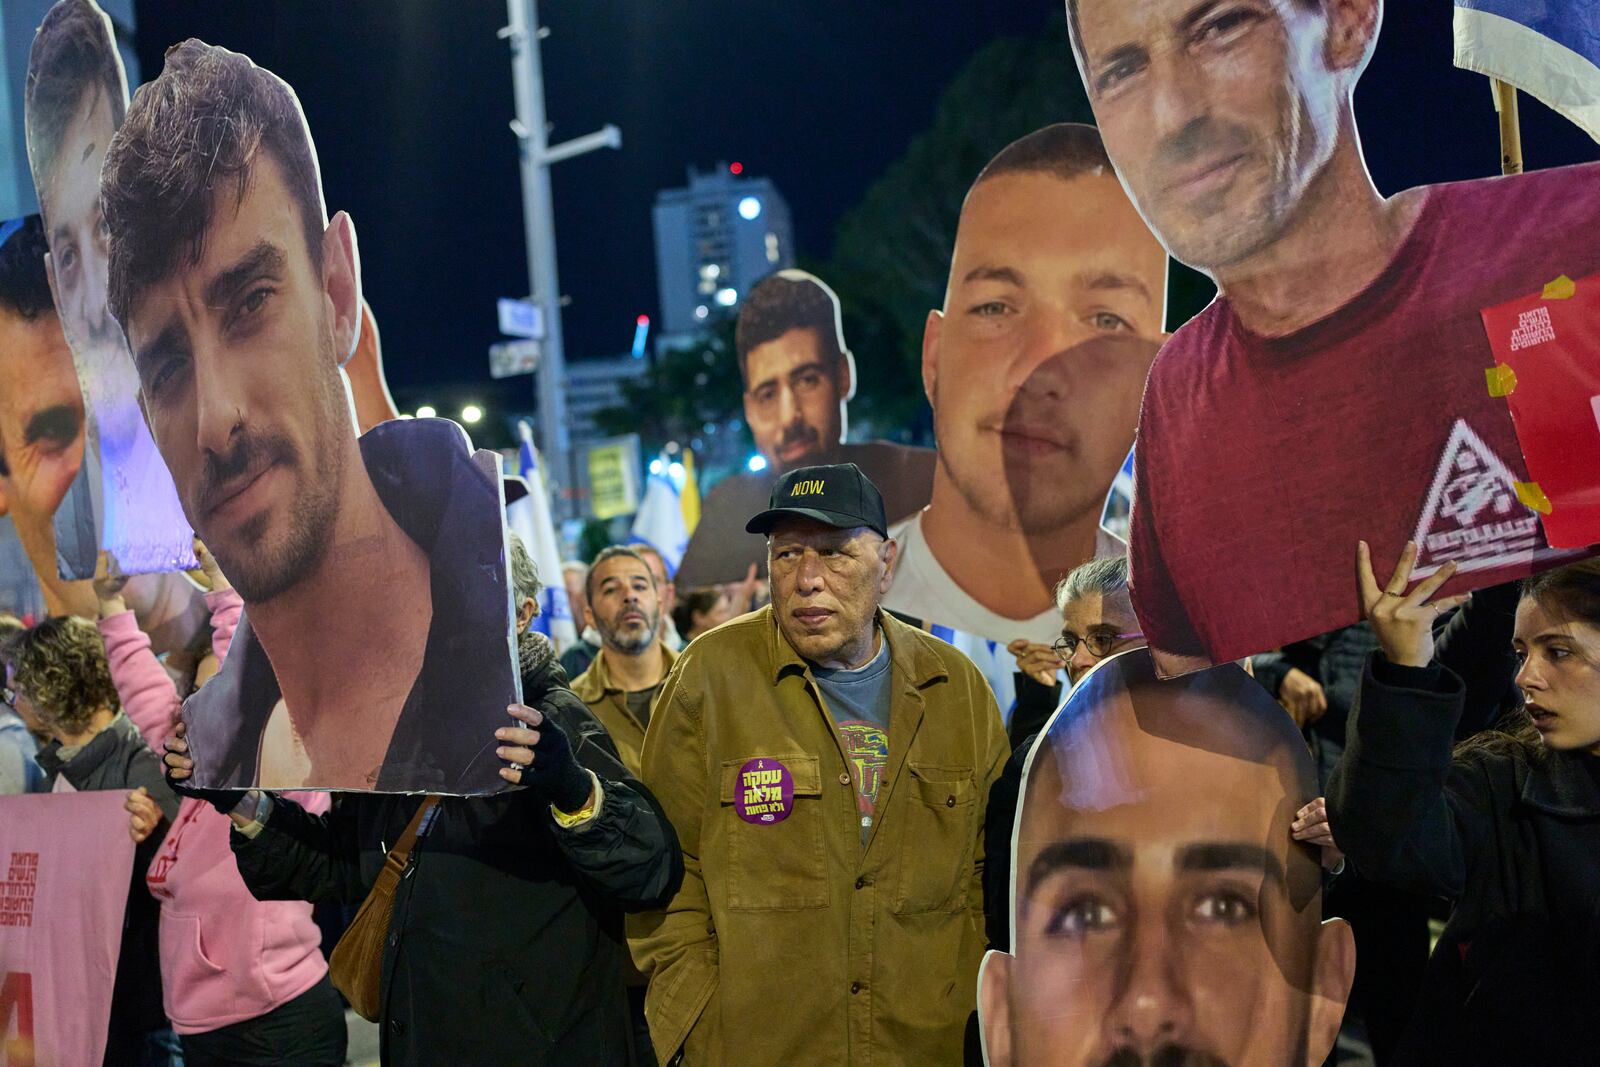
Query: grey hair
[[1104, 576], [525, 584]]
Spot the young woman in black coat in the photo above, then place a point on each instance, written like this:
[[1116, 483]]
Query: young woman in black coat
[[1506, 825]]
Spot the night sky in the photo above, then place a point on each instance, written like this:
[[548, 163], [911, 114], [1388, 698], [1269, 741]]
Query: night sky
[[409, 101]]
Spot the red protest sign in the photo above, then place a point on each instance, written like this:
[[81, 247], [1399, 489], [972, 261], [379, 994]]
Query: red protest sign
[[1547, 365]]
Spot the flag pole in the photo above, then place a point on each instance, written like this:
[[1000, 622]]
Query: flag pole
[[1505, 103]]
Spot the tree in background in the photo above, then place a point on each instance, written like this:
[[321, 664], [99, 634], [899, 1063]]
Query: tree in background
[[892, 251], [692, 394]]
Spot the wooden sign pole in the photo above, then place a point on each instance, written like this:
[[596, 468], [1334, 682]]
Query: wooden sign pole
[[1505, 102]]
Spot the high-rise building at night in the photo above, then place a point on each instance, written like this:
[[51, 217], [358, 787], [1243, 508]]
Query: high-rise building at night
[[715, 239]]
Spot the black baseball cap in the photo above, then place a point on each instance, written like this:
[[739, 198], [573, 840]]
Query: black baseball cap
[[837, 494]]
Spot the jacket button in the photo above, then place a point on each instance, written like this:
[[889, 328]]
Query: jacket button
[[950, 801], [844, 778], [862, 882], [397, 1025], [394, 939], [855, 987]]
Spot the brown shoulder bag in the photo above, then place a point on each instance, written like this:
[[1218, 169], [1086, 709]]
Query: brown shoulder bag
[[356, 966]]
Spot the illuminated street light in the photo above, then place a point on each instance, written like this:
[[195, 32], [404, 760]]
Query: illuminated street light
[[750, 208], [757, 463], [427, 411], [471, 413]]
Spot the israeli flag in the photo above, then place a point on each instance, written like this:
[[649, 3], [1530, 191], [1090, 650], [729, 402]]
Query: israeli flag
[[530, 518], [659, 522], [1550, 49]]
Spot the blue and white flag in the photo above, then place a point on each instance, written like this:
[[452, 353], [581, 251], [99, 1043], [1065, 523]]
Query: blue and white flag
[[530, 518], [659, 522], [1550, 49]]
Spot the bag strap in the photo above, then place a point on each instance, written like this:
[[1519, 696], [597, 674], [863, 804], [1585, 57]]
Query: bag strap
[[401, 851]]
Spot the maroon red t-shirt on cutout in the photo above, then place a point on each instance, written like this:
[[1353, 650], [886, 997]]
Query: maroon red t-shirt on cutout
[[1261, 462]]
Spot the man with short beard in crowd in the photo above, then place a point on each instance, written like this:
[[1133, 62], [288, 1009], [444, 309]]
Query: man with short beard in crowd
[[621, 602]]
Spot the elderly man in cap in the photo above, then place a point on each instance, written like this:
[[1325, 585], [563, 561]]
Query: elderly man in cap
[[826, 767]]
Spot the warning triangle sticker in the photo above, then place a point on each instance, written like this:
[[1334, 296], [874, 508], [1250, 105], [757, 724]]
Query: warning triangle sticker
[[1473, 515]]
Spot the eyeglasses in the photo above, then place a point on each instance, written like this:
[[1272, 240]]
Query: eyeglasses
[[1100, 643]]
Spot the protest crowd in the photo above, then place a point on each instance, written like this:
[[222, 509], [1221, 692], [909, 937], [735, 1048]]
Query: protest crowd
[[803, 792]]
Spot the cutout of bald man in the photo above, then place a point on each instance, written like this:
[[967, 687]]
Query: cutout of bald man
[[1161, 911]]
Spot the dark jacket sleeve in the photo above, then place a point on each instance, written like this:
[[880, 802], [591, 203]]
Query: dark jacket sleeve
[[1036, 702], [999, 820], [300, 856], [1403, 813], [628, 854], [1476, 646]]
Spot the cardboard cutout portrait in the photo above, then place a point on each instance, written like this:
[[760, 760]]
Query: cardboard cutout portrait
[[1033, 368], [376, 648], [1160, 910], [798, 379], [1335, 390], [77, 95], [44, 462]]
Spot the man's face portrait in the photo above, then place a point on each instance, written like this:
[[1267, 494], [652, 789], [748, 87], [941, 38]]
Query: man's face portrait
[[623, 606], [1035, 366], [795, 389], [41, 420], [238, 367], [1220, 114], [75, 228], [1154, 923], [826, 584]]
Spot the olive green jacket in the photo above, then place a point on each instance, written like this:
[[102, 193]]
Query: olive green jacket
[[789, 942], [609, 703]]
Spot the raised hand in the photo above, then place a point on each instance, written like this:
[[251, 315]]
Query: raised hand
[[1038, 662], [1302, 696], [210, 568], [1311, 826], [1403, 622], [108, 583], [144, 815], [541, 758], [180, 768]]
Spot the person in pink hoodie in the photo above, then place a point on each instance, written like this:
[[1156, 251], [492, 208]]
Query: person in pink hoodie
[[243, 980]]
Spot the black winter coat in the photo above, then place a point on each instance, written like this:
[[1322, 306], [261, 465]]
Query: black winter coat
[[506, 944], [1512, 837]]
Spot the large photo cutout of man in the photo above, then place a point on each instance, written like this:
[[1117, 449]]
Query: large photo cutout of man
[[376, 648], [1154, 923], [1335, 388], [798, 378], [1033, 367], [76, 96]]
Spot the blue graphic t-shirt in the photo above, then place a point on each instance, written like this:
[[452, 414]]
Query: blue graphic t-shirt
[[858, 700]]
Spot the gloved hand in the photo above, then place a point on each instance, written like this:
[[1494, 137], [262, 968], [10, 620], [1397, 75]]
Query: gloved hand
[[179, 768], [541, 758]]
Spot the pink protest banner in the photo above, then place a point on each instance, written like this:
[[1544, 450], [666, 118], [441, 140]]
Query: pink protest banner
[[65, 865]]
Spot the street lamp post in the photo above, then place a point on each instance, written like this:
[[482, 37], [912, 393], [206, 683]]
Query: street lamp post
[[538, 221]]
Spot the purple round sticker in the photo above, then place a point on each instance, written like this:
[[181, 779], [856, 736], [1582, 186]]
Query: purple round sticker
[[764, 793]]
